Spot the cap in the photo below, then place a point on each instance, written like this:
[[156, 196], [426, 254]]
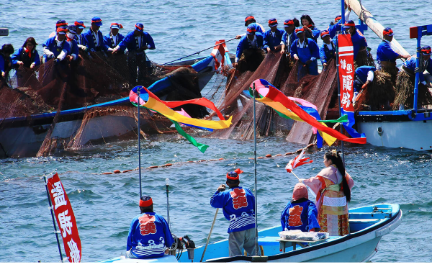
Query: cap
[[139, 27], [288, 22], [349, 23], [61, 31], [337, 18], [235, 175], [72, 29], [388, 32], [80, 24], [249, 18], [272, 22], [300, 191], [116, 25], [324, 33], [250, 29], [426, 50], [145, 201], [299, 30], [97, 21], [61, 23]]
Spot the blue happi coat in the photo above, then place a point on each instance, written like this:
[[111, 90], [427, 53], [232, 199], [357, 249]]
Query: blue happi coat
[[326, 54], [385, 52], [257, 27], [311, 45], [73, 47], [149, 236], [410, 64], [51, 44], [129, 42], [333, 29], [361, 74], [108, 41], [300, 215], [244, 44], [273, 41], [289, 40], [238, 205], [358, 42], [314, 35], [80, 39], [90, 42], [21, 55]]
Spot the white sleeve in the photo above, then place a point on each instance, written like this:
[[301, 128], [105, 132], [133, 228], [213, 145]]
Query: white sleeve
[[313, 58], [62, 55], [236, 59], [370, 76], [347, 15], [47, 52]]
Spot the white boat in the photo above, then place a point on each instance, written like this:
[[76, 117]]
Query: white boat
[[368, 225]]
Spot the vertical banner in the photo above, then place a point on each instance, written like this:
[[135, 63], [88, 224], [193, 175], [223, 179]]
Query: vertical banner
[[346, 72], [218, 54], [65, 218]]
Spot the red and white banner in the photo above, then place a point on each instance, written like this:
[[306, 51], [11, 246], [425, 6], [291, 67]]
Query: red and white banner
[[218, 53], [297, 161], [346, 71], [65, 218]]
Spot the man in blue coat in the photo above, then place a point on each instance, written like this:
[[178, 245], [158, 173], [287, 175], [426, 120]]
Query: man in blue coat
[[149, 234], [300, 213], [359, 42], [70, 37], [252, 40], [137, 42], [114, 37], [79, 37], [289, 35], [328, 49], [273, 37], [250, 20], [364, 76], [93, 38], [306, 51], [56, 47], [238, 205]]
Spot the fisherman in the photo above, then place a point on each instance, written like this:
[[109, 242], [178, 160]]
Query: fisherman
[[306, 50], [300, 213], [114, 37], [136, 42], [386, 56], [273, 37], [56, 47], [238, 206], [5, 62], [364, 77], [289, 36], [311, 31], [250, 20], [335, 27], [60, 23], [252, 40], [359, 43], [79, 37], [406, 79], [328, 49], [93, 38], [149, 234], [70, 37], [26, 55]]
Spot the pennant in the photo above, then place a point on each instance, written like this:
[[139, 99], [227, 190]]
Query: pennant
[[65, 218], [297, 161], [271, 95], [218, 53]]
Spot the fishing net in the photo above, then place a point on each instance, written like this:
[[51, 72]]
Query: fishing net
[[378, 96], [405, 92], [390, 68]]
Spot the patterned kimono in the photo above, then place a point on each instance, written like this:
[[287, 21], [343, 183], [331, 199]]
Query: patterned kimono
[[331, 201]]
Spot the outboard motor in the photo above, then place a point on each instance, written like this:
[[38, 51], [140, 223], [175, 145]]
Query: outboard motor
[[190, 246]]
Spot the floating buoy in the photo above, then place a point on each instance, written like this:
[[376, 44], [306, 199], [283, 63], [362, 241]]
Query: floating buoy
[[154, 166], [288, 153], [201, 161], [268, 155], [279, 154], [260, 157], [168, 164], [190, 161], [107, 173], [126, 171], [220, 159], [117, 171]]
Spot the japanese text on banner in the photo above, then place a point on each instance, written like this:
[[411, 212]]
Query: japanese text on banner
[[346, 72]]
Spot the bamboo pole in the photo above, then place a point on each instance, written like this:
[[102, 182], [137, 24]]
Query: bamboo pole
[[373, 24]]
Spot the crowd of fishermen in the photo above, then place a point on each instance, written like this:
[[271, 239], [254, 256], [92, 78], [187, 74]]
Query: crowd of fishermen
[[299, 41], [65, 44]]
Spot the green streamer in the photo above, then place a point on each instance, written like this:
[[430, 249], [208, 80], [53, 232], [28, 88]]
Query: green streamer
[[200, 146]]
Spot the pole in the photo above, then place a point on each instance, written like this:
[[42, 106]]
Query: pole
[[167, 193], [208, 237], [337, 68], [417, 74], [255, 173], [139, 141], [52, 216]]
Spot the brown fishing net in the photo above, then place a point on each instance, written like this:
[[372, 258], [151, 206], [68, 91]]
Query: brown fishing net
[[390, 68], [405, 92], [378, 96]]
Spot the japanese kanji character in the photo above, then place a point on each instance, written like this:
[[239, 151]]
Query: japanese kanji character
[[349, 68], [239, 198], [347, 82], [343, 63], [74, 251], [346, 101], [295, 216], [147, 225], [58, 194], [65, 223]]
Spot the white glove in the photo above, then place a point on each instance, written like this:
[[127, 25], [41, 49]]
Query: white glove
[[82, 47], [295, 56], [110, 49]]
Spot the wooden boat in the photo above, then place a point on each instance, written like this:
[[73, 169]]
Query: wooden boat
[[23, 136], [368, 225]]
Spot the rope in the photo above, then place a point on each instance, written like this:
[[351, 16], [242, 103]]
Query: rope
[[196, 53]]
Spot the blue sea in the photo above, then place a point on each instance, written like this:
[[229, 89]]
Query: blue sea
[[104, 204]]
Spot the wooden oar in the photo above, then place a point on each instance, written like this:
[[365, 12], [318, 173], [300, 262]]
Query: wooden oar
[[208, 238]]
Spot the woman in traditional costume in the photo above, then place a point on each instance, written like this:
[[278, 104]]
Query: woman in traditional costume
[[332, 187]]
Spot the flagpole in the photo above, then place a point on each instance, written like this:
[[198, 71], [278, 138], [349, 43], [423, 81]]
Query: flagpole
[[337, 68], [255, 173], [295, 176], [139, 142], [52, 216]]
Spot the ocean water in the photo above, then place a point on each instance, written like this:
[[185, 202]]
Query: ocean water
[[105, 204]]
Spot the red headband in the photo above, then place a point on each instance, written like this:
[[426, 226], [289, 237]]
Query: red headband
[[289, 23], [338, 18], [237, 171], [249, 18], [299, 30], [324, 33], [271, 22], [140, 28], [145, 203], [349, 24], [96, 21], [427, 51], [61, 24], [251, 30], [79, 24], [117, 24], [388, 32], [62, 29]]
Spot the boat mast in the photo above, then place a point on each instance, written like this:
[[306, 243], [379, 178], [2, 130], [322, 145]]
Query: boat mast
[[255, 173], [417, 74], [337, 68]]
